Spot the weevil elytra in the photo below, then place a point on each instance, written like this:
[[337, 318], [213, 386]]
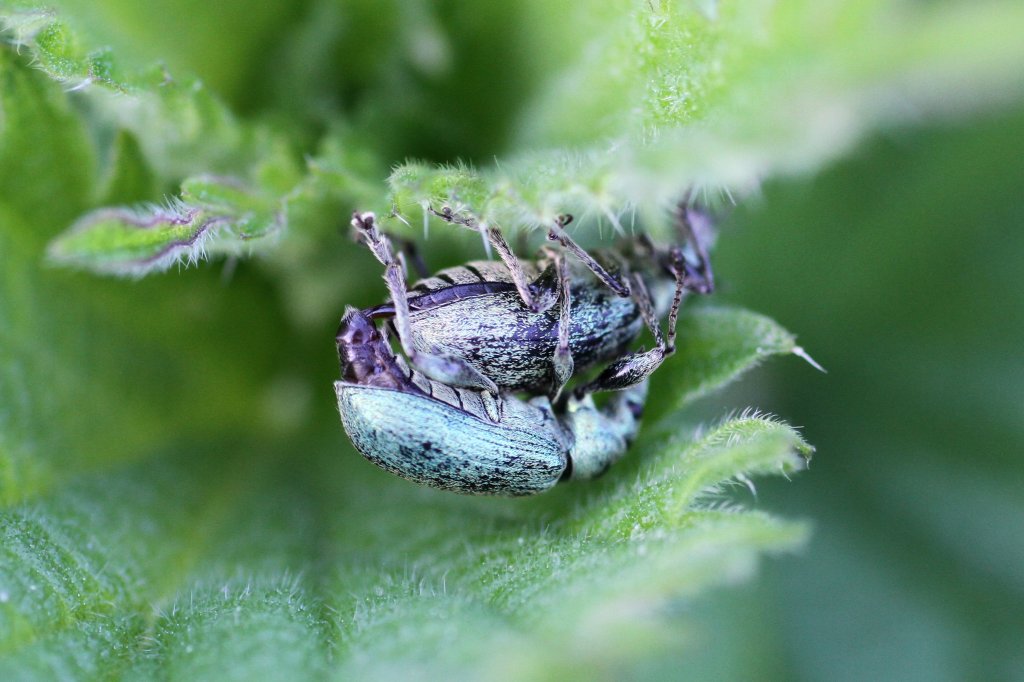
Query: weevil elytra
[[500, 322], [470, 441]]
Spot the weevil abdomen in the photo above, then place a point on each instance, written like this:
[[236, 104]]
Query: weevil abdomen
[[473, 272], [426, 440]]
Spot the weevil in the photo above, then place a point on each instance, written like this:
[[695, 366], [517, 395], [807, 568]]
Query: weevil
[[469, 440], [493, 326]]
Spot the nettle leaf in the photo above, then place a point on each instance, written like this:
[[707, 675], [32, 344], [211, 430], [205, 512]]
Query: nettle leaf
[[214, 215], [230, 560], [590, 587], [656, 98], [92, 372], [178, 498], [717, 345], [178, 122], [636, 104], [240, 178]]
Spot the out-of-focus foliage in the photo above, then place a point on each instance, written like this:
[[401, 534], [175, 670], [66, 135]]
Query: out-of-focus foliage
[[179, 500], [617, 109], [901, 269]]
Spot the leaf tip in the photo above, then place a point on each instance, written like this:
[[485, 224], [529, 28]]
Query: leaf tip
[[803, 354]]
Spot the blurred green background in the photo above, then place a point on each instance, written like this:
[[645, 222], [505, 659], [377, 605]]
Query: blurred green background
[[899, 266]]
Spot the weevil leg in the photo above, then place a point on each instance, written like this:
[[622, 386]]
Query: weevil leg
[[562, 364], [536, 299], [407, 246], [558, 234], [635, 368], [602, 436], [679, 270], [411, 252], [536, 302], [694, 228], [446, 369]]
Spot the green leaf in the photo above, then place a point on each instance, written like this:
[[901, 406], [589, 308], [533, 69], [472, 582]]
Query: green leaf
[[177, 497], [216, 562], [717, 345], [900, 268], [39, 132], [129, 178], [655, 98], [215, 214], [241, 179], [153, 578], [92, 374], [637, 104], [132, 242]]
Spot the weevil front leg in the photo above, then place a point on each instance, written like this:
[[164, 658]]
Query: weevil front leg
[[437, 366], [536, 298], [407, 247], [558, 234], [602, 436]]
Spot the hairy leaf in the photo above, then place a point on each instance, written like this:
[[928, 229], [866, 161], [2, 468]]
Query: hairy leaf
[[636, 104], [177, 497]]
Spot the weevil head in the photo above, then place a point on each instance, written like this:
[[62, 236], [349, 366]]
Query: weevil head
[[356, 329], [362, 351]]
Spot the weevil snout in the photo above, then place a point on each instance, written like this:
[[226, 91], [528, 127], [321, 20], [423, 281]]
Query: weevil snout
[[363, 354]]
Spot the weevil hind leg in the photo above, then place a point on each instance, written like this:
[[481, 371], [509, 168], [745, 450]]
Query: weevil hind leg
[[562, 364], [634, 368], [437, 366]]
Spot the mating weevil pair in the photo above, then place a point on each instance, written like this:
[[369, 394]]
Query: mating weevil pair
[[476, 333]]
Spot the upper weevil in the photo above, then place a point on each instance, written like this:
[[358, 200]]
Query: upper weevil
[[529, 326]]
